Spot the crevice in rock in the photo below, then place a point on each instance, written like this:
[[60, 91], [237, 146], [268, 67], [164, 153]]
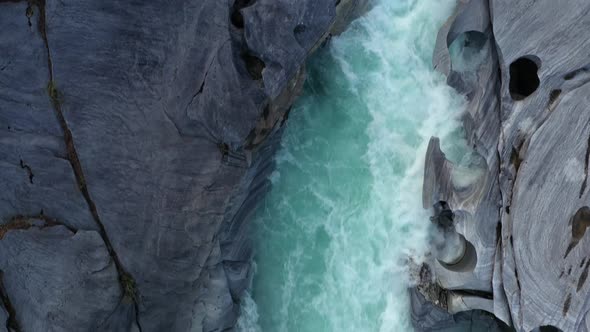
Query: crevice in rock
[[236, 17], [583, 276], [566, 304], [519, 289], [285, 117], [546, 328], [515, 269], [572, 74], [126, 281], [516, 159], [580, 222], [260, 133], [471, 292], [11, 323], [224, 149], [266, 112], [29, 13], [26, 167], [232, 158], [202, 86], [516, 162], [21, 222], [586, 161], [553, 97], [254, 65]]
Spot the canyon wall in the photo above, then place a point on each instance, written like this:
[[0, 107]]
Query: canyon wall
[[135, 139], [523, 218]]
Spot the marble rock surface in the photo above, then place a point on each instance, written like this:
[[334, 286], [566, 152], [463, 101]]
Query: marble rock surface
[[527, 209], [135, 139]]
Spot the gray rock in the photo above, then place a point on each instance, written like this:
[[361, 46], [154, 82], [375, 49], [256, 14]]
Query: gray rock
[[47, 269], [35, 174], [3, 318], [428, 317], [151, 127], [526, 119]]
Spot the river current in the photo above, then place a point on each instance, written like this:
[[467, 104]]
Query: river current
[[344, 215]]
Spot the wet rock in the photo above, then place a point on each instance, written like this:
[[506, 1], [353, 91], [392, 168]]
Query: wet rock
[[526, 117], [429, 317]]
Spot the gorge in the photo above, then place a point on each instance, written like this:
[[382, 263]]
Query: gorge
[[294, 165], [345, 212]]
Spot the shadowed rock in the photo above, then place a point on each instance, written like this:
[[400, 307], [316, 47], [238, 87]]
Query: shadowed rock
[[150, 128]]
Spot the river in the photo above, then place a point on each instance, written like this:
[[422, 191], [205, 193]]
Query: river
[[344, 213]]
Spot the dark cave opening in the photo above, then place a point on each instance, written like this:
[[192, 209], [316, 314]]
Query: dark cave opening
[[254, 65], [236, 16], [299, 31], [524, 79], [546, 328]]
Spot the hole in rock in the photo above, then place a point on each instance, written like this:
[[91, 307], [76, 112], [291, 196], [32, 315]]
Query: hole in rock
[[467, 51], [467, 262], [546, 328], [553, 96], [254, 65], [236, 15], [299, 31], [571, 75], [524, 78], [580, 222]]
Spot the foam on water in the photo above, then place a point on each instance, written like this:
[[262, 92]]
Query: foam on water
[[345, 211]]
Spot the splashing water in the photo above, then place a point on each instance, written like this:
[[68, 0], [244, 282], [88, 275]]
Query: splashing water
[[345, 210]]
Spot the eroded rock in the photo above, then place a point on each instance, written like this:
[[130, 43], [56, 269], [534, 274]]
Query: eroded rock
[[527, 118], [151, 126]]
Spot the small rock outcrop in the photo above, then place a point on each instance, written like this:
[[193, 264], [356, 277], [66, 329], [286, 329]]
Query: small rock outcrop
[[143, 131], [527, 120]]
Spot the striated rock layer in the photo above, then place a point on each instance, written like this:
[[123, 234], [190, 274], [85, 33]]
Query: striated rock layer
[[526, 212], [135, 139]]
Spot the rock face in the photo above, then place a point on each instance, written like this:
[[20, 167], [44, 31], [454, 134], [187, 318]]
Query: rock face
[[135, 139], [526, 212]]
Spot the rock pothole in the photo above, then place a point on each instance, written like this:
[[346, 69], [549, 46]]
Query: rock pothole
[[524, 78], [467, 51], [467, 262]]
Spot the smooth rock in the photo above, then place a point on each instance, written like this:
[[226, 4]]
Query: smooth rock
[[527, 118], [38, 263], [152, 125]]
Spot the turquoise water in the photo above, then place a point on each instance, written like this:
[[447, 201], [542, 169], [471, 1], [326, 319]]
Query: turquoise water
[[345, 215]]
